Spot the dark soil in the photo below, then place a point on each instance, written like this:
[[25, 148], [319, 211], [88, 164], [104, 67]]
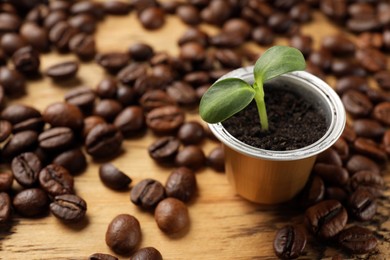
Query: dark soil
[[293, 122]]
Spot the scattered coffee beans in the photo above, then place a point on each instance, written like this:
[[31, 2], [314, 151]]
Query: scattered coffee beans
[[113, 178], [68, 207]]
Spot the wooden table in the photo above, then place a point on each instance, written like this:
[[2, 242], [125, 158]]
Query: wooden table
[[223, 225]]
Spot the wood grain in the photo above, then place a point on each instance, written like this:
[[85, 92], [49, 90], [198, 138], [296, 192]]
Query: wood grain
[[223, 226]]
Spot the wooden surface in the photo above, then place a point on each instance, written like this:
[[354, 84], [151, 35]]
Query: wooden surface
[[223, 226]]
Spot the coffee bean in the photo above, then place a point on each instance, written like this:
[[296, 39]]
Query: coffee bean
[[197, 78], [131, 72], [228, 58], [9, 22], [155, 98], [62, 71], [5, 207], [123, 234], [342, 148], [164, 149], [147, 253], [56, 180], [192, 51], [83, 45], [383, 79], [68, 208], [322, 58], [5, 130], [55, 17], [152, 18], [263, 35], [359, 163], [146, 83], [87, 7], [35, 36], [172, 216], [130, 121], [217, 12], [368, 180], [26, 60], [165, 120], [82, 97], [194, 34], [216, 159], [25, 168], [31, 202], [23, 117], [73, 160], [346, 67], [113, 178], [385, 141], [191, 133], [289, 242], [368, 128], [170, 7], [60, 34], [313, 192], [338, 44], [147, 193], [336, 193], [191, 156], [63, 114], [239, 27], [107, 109], [6, 180], [189, 14], [280, 22], [107, 88], [356, 103], [351, 83], [181, 184], [141, 51], [11, 42], [114, 7], [101, 256], [370, 40], [370, 148], [329, 156], [103, 141], [362, 204], [326, 219], [90, 122], [112, 61], [20, 142], [13, 82], [56, 138], [372, 59], [357, 240], [85, 23], [381, 113]]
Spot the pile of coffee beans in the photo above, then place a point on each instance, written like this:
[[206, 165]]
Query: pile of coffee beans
[[42, 151]]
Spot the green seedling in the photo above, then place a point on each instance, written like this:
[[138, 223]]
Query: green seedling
[[228, 96]]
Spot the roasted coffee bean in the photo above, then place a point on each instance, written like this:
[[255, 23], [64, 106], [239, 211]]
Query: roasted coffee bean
[[56, 138], [301, 12], [345, 67], [383, 79], [342, 148], [82, 97], [201, 90], [372, 59], [56, 180], [191, 156], [381, 113], [228, 58], [130, 121], [216, 159], [152, 18], [101, 256], [5, 130], [239, 27], [35, 36], [360, 163], [63, 114], [114, 7], [141, 51], [26, 60], [13, 82], [217, 12], [5, 207], [315, 70], [147, 253], [338, 44], [329, 156], [20, 142], [62, 71], [73, 160], [11, 42], [193, 34], [68, 208], [9, 22], [321, 58], [31, 202], [280, 22], [385, 141], [165, 120], [130, 73], [156, 98], [85, 23], [189, 14], [368, 180], [351, 83], [123, 234], [363, 24], [147, 193], [191, 133], [146, 83], [164, 149], [172, 216], [368, 128], [356, 103], [192, 51], [361, 9], [2, 94], [23, 117], [313, 192], [181, 184], [263, 35], [112, 61], [197, 78], [60, 35], [113, 178], [103, 141], [326, 219], [90, 122], [6, 180], [304, 43], [370, 40], [107, 88], [336, 193], [25, 168], [87, 7], [107, 109], [362, 204], [289, 242], [370, 148], [83, 45], [53, 18], [170, 7], [357, 240]]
